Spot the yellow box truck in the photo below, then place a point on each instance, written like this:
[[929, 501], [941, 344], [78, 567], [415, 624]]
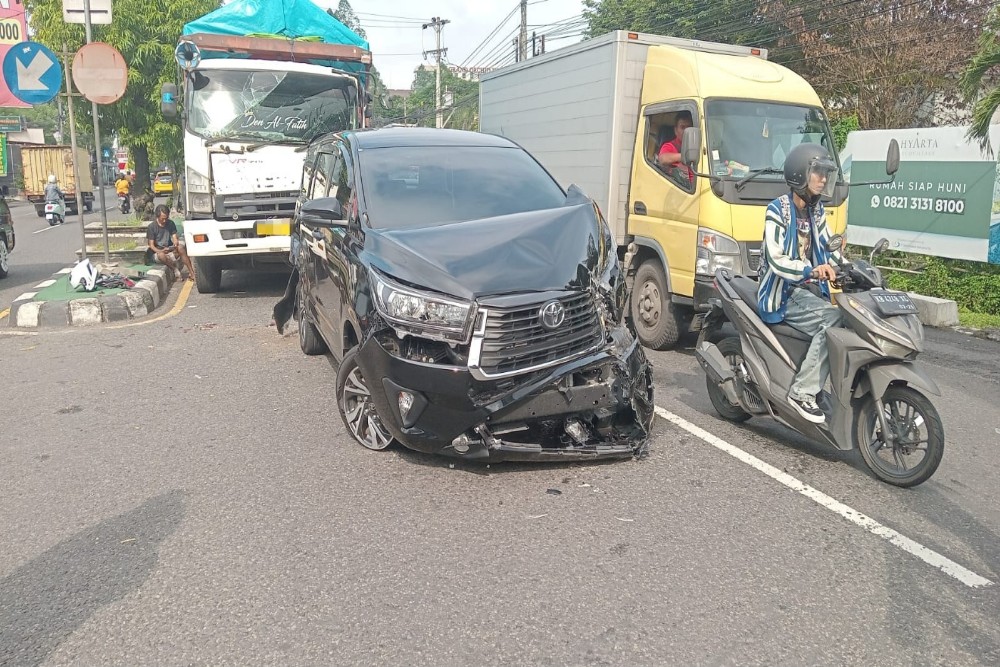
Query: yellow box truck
[[598, 113], [40, 162]]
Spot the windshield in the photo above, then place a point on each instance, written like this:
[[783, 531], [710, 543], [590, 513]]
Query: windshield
[[280, 107], [746, 136], [420, 185]]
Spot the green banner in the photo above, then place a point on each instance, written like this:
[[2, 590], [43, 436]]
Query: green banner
[[11, 124], [3, 155]]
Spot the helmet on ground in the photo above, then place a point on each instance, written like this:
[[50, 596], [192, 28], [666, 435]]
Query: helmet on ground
[[810, 172], [83, 275], [52, 178]]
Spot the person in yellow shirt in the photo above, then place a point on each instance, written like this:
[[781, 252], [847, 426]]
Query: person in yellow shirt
[[122, 185]]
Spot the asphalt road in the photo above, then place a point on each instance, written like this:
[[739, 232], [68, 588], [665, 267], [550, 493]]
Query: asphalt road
[[183, 493], [42, 250]]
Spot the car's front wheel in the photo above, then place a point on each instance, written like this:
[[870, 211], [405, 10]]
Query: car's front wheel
[[4, 257], [356, 406]]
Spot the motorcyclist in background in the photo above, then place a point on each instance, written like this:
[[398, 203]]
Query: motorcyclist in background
[[53, 195]]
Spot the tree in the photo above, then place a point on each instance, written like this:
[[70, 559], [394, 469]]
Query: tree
[[728, 21], [983, 67], [462, 113], [345, 14], [145, 32]]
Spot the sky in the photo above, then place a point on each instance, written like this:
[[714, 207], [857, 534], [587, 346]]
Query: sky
[[397, 41]]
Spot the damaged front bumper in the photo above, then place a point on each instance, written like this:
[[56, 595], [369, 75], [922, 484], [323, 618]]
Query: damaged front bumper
[[597, 406]]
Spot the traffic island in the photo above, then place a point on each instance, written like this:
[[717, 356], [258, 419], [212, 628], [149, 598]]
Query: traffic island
[[54, 303]]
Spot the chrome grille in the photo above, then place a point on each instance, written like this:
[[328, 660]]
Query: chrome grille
[[256, 204], [515, 341]]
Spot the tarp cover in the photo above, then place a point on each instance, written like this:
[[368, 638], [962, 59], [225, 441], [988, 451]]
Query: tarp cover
[[291, 19]]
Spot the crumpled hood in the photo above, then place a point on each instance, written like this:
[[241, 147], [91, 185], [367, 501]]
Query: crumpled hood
[[535, 251]]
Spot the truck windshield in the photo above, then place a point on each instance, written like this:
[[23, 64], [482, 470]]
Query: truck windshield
[[269, 106], [745, 137]]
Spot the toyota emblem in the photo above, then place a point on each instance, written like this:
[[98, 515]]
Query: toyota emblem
[[552, 315]]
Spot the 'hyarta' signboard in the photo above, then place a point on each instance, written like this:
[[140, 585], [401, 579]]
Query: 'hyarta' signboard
[[944, 202]]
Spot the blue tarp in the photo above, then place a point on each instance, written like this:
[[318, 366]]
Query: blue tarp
[[291, 19]]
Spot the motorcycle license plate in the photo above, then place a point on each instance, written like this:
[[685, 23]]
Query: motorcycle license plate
[[893, 303]]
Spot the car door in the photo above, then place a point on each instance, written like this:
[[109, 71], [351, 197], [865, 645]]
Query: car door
[[333, 272], [315, 182]]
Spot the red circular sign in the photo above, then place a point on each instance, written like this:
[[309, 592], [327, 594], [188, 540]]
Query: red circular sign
[[100, 72]]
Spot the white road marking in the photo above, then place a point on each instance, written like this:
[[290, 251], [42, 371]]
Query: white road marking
[[932, 558], [47, 229], [45, 283]]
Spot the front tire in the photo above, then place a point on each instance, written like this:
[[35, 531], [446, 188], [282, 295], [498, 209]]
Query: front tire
[[310, 341], [656, 318], [918, 430], [356, 406], [208, 275], [733, 352], [4, 258]]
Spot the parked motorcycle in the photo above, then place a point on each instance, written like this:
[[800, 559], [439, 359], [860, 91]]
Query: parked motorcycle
[[55, 212], [880, 401], [124, 204]]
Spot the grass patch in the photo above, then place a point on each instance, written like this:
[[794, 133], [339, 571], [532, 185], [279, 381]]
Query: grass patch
[[119, 246], [978, 320]]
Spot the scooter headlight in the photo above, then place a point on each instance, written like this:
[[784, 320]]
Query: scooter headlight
[[893, 349]]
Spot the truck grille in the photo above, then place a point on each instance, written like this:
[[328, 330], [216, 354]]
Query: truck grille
[[256, 205], [515, 340], [753, 251]]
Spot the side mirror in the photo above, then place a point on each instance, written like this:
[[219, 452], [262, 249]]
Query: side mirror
[[880, 247], [168, 100], [892, 162], [836, 243], [691, 149], [322, 212]]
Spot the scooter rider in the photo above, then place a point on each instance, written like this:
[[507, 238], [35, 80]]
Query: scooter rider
[[53, 195], [796, 256]]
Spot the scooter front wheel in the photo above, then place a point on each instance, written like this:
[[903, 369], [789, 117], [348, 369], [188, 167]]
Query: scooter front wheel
[[733, 352], [912, 456]]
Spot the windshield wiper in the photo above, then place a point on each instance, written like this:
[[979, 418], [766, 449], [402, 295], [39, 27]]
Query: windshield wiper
[[755, 173]]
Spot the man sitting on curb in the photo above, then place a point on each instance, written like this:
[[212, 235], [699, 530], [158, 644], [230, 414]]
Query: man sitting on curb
[[164, 246]]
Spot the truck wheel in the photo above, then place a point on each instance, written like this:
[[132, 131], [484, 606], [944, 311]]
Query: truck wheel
[[656, 318], [208, 275]]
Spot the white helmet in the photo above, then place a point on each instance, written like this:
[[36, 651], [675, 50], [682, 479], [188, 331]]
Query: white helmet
[[52, 178], [83, 275]]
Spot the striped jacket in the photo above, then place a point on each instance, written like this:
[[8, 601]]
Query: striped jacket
[[782, 268]]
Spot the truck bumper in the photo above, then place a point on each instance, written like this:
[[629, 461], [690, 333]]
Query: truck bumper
[[225, 238]]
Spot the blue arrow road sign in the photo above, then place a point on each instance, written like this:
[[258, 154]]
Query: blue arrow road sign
[[32, 72]]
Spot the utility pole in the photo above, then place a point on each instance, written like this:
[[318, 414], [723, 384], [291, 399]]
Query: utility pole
[[522, 44], [76, 166], [97, 147], [437, 22]]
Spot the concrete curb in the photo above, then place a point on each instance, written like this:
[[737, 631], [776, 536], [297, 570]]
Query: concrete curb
[[138, 301], [935, 312]]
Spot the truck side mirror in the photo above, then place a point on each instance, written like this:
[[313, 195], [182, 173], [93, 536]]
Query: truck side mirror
[[168, 100], [892, 158], [691, 149]]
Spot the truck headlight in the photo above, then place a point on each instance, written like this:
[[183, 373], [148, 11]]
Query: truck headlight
[[200, 203], [716, 251], [197, 182], [421, 313]]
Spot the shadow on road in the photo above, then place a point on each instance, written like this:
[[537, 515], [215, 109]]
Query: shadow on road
[[47, 599]]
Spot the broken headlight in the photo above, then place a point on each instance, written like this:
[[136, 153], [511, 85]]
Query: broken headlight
[[421, 313]]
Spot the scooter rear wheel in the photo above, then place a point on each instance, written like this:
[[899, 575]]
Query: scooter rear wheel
[[733, 352], [918, 430]]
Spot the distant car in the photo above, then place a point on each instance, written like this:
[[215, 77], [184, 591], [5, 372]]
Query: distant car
[[475, 309], [163, 184], [6, 234]]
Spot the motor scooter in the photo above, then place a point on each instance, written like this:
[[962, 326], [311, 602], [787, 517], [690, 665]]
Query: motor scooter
[[880, 400], [124, 204], [55, 212]]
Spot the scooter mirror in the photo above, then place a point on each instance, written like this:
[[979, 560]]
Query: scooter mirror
[[836, 243], [881, 246], [892, 158]]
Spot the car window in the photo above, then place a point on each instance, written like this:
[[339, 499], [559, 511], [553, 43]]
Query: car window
[[323, 174], [414, 186]]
